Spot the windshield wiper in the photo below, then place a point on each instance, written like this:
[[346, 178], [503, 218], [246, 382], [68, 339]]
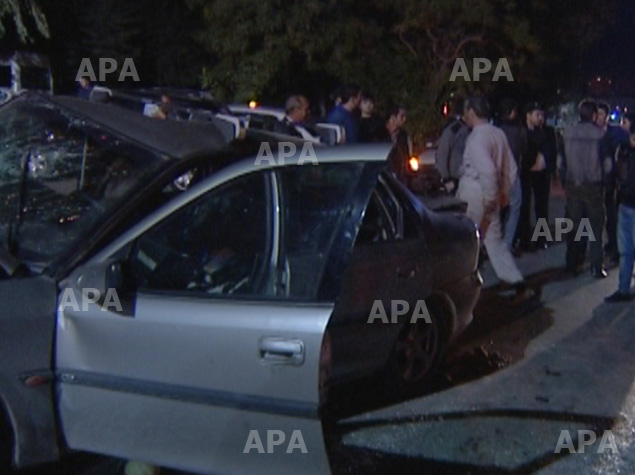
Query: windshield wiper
[[9, 263]]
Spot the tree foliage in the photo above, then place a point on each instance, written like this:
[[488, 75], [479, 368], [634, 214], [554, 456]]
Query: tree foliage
[[403, 50], [21, 12]]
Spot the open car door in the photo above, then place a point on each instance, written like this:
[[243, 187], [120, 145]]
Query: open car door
[[196, 340]]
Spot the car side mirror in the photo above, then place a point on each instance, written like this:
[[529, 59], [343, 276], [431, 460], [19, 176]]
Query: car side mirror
[[100, 278]]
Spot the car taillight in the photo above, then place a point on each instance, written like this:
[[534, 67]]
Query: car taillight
[[413, 164]]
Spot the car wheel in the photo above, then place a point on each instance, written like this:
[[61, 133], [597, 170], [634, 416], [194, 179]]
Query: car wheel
[[418, 350]]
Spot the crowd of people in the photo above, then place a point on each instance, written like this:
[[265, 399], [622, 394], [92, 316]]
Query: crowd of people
[[500, 167], [354, 111]]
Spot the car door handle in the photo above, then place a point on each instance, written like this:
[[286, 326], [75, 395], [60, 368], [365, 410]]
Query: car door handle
[[281, 351]]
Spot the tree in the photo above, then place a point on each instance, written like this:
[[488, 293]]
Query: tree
[[16, 10]]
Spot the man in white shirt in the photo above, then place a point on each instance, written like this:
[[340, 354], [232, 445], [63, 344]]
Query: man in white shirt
[[487, 173]]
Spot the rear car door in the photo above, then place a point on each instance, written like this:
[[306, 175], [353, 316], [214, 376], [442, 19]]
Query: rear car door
[[211, 361]]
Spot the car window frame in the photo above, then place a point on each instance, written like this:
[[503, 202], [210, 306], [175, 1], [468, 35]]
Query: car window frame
[[127, 251]]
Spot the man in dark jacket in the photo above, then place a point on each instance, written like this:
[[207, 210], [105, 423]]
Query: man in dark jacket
[[508, 113], [534, 176], [585, 196], [613, 137], [626, 217], [449, 156], [343, 113]]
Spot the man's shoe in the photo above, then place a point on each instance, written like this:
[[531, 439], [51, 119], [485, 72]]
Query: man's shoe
[[618, 297], [599, 273], [523, 293]]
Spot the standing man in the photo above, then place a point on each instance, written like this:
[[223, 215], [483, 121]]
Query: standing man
[[625, 168], [85, 87], [343, 113], [613, 137], [393, 131], [488, 172], [585, 196], [370, 126], [451, 147], [534, 177], [509, 125]]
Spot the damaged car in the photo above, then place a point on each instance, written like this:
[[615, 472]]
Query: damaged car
[[166, 319]]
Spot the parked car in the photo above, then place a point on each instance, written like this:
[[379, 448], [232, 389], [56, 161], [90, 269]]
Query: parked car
[[274, 119], [167, 323], [24, 71]]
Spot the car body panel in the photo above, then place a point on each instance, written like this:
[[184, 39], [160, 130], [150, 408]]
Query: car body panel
[[230, 366], [439, 263], [185, 382], [28, 323]]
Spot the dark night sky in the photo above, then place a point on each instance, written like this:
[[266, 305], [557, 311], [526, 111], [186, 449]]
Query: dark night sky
[[614, 55]]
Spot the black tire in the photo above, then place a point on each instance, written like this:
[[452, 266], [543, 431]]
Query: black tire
[[418, 351]]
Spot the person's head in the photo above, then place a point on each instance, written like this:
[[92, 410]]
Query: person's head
[[367, 105], [508, 110], [395, 117], [534, 115], [602, 117], [351, 96], [476, 110], [295, 108], [627, 121], [166, 99], [587, 110], [84, 82]]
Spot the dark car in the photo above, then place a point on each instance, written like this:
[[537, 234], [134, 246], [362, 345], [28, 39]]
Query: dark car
[[169, 323]]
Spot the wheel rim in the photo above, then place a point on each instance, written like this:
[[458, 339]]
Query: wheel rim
[[416, 350]]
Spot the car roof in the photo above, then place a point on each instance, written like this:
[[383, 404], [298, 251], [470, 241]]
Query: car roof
[[306, 153], [173, 138], [278, 113]]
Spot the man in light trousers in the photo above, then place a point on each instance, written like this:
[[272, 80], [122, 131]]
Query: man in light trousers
[[488, 172]]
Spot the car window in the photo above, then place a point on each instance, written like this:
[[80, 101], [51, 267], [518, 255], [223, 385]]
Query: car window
[[315, 200], [59, 178], [217, 245], [376, 225]]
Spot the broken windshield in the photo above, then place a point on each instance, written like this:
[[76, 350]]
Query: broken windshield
[[59, 177]]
